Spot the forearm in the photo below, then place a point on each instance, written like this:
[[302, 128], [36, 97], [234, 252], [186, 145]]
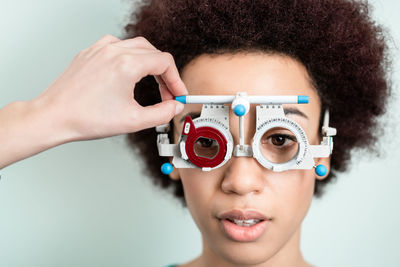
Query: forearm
[[27, 128]]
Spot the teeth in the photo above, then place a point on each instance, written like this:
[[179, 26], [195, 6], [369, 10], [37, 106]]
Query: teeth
[[246, 223]]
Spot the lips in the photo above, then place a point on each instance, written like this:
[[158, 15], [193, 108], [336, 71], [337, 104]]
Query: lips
[[240, 215], [243, 226]]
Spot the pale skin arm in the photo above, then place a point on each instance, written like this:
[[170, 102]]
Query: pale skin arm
[[91, 99]]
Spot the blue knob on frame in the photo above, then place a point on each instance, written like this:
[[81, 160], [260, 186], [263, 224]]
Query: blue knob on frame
[[321, 170], [239, 110], [166, 168]]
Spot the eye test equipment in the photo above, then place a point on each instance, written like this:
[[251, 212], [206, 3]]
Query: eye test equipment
[[279, 143]]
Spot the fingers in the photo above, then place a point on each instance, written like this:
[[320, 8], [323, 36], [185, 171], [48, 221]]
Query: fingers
[[169, 82], [164, 91], [145, 60], [163, 65], [160, 113]]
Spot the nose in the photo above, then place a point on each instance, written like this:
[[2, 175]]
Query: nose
[[243, 176]]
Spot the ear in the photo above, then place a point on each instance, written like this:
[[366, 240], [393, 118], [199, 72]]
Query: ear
[[327, 163], [174, 175]]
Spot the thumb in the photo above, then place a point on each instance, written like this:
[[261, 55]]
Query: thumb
[[159, 113]]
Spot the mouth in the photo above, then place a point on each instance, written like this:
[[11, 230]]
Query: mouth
[[245, 223], [243, 226], [243, 216]]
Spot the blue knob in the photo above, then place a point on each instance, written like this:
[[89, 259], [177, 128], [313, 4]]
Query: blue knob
[[239, 110], [181, 98], [321, 170], [302, 99], [166, 168]]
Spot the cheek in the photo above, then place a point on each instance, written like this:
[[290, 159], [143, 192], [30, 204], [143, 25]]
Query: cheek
[[293, 191], [199, 188]]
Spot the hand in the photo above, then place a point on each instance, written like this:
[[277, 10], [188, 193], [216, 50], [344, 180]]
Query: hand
[[93, 97]]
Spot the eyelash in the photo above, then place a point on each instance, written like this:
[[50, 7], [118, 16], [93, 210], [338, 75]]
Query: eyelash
[[207, 139], [285, 136]]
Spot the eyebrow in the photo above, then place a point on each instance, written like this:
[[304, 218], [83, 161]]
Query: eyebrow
[[287, 111], [294, 111]]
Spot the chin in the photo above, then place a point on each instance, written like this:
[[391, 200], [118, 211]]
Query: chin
[[246, 258], [245, 253]]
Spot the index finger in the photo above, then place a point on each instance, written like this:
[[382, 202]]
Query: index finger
[[172, 79], [166, 80], [162, 64]]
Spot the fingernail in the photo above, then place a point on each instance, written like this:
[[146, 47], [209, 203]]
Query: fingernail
[[178, 108]]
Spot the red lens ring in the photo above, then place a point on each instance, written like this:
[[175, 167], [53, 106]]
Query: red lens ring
[[207, 132]]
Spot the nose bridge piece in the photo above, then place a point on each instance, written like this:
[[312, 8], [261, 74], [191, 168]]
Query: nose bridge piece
[[241, 106], [243, 151]]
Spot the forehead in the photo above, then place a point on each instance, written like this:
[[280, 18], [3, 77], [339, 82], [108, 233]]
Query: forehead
[[256, 73]]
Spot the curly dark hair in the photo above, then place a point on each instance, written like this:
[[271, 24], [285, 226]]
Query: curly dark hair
[[342, 48]]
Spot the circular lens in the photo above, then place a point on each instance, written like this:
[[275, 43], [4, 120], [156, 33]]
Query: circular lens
[[206, 147], [279, 145]]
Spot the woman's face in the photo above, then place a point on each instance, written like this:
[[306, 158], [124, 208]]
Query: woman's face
[[242, 183]]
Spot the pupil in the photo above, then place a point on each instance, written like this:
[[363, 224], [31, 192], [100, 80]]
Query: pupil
[[278, 140], [206, 142]]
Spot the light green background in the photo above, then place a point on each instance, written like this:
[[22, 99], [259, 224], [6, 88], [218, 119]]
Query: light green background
[[86, 203]]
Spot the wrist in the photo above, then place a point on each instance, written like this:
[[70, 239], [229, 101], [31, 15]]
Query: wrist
[[27, 129], [50, 120]]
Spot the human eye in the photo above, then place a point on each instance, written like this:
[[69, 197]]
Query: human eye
[[205, 142], [278, 145], [206, 147], [279, 139]]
